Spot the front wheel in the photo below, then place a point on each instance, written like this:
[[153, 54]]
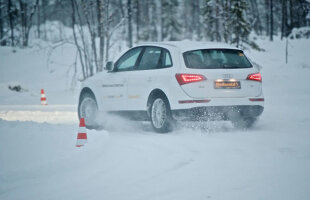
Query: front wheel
[[161, 115], [88, 110]]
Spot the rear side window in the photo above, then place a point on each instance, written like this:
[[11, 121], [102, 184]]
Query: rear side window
[[216, 59], [150, 58], [154, 58]]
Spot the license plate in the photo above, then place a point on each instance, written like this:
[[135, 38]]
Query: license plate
[[227, 84]]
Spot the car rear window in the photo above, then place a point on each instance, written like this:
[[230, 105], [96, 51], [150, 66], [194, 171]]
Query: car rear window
[[216, 59]]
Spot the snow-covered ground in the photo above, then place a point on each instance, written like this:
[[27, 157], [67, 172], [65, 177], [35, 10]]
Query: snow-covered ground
[[39, 160]]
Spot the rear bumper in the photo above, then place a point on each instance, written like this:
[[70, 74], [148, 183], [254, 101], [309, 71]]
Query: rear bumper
[[217, 112], [177, 104]]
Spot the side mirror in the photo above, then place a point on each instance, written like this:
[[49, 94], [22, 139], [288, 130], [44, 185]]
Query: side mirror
[[109, 66]]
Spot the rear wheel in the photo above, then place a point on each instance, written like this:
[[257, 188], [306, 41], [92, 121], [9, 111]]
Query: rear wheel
[[244, 122], [88, 110], [161, 115]]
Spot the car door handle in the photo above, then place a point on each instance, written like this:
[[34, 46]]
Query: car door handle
[[149, 79]]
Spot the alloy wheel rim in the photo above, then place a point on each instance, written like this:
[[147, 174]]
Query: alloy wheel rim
[[159, 113]]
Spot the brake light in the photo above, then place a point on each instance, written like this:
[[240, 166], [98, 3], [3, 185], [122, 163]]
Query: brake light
[[255, 77], [189, 78]]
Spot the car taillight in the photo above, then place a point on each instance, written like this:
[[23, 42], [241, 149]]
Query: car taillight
[[189, 78], [255, 77]]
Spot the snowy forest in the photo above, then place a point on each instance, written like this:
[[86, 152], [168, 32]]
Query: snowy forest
[[54, 73], [96, 25]]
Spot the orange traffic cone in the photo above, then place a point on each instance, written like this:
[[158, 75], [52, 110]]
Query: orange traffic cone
[[82, 135], [43, 98]]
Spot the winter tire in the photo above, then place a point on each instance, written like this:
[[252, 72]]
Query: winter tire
[[244, 123], [161, 115], [88, 109]]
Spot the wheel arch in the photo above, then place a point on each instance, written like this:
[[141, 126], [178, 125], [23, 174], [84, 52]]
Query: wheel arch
[[89, 91], [155, 93], [86, 90]]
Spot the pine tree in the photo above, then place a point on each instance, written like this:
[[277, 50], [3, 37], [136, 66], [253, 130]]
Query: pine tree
[[255, 16], [212, 16], [239, 25], [191, 22], [208, 19], [171, 26], [226, 17]]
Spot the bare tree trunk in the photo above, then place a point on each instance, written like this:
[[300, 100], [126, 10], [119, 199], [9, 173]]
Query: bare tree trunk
[[92, 32], [129, 23], [187, 21], [226, 33], [23, 16], [26, 21], [217, 23], [291, 15], [87, 61], [153, 27], [108, 36], [267, 17], [75, 39], [286, 51], [137, 20], [11, 18], [284, 19], [85, 47], [44, 8], [29, 19], [123, 14], [148, 10], [196, 5], [271, 20], [100, 13], [2, 41], [160, 20], [38, 19]]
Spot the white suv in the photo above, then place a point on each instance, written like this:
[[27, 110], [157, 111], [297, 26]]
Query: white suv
[[164, 82]]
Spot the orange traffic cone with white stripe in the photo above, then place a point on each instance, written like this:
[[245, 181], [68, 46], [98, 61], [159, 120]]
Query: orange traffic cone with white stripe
[[82, 135], [43, 98]]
